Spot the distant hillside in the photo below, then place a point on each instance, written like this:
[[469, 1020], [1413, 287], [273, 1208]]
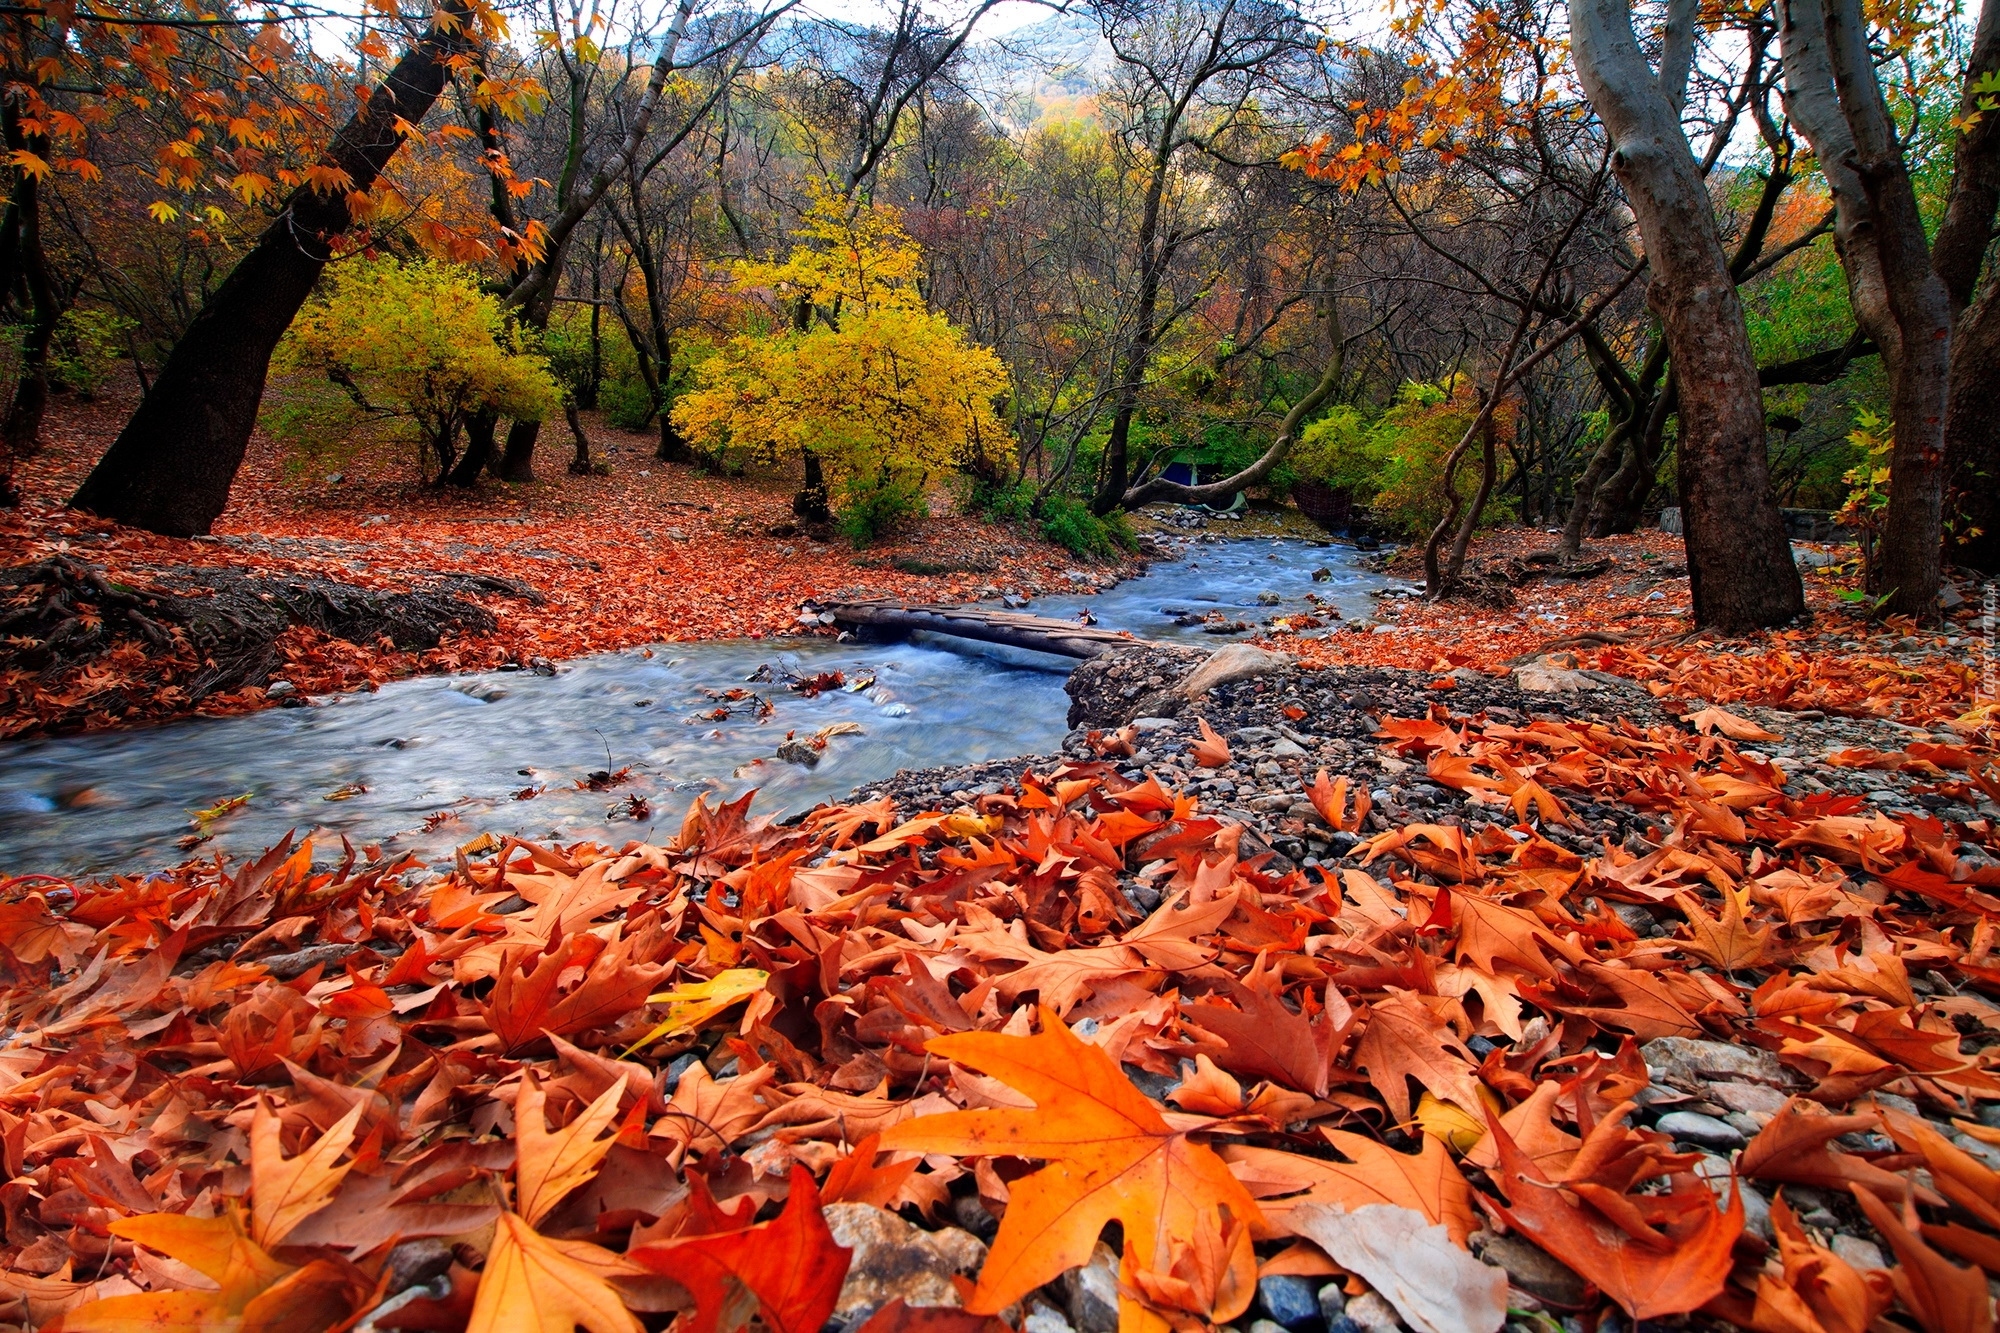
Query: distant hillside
[[1039, 68]]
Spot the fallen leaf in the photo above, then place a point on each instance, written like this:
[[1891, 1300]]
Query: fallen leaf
[[1435, 1285], [1111, 1157]]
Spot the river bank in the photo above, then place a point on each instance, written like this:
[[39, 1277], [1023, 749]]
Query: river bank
[[1550, 898]]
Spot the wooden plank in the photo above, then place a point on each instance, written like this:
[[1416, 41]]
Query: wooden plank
[[1065, 638]]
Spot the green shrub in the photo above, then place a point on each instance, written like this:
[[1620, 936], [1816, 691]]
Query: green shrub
[[625, 401], [1004, 503], [88, 343], [874, 505], [1343, 450], [1069, 523]]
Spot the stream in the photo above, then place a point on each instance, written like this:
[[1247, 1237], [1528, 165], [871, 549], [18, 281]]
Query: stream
[[464, 746]]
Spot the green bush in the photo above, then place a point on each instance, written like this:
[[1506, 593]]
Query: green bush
[[1069, 523], [874, 505], [1002, 503], [1342, 450], [88, 343], [625, 401]]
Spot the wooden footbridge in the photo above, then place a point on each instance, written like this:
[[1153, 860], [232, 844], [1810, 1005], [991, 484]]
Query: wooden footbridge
[[883, 618]]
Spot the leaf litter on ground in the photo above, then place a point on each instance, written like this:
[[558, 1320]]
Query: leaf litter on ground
[[560, 1086]]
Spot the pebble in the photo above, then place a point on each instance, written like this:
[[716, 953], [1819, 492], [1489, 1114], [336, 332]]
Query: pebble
[[1985, 1152], [893, 1258], [1045, 1319], [1703, 1130], [1093, 1292], [1858, 1253], [1332, 1302], [1714, 1172], [1373, 1314], [1534, 1271], [1289, 1301]]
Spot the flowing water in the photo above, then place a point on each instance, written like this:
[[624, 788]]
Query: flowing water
[[368, 764]]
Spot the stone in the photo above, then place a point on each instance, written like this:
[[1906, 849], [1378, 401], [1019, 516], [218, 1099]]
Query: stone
[[799, 752], [1984, 1152], [1289, 1301], [1286, 749], [1045, 1319], [1714, 1172], [1858, 1253], [1542, 676], [1749, 1098], [278, 689], [1691, 1063], [1266, 1326], [1093, 1292], [970, 1213], [1239, 661], [894, 1259], [1268, 598], [1373, 1314], [1534, 1271], [1332, 1302], [1704, 1131]]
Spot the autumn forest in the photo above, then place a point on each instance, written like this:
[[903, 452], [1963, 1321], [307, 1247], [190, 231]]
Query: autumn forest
[[1000, 666]]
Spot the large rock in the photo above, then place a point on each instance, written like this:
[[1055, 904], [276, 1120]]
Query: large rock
[[1112, 688], [1692, 1065], [893, 1258], [1239, 661]]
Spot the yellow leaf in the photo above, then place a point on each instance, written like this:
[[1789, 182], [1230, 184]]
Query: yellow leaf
[[215, 1247], [691, 1006], [548, 1166], [24, 160], [286, 1191], [533, 1284]]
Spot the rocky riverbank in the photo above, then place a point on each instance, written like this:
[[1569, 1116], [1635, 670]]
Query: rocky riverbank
[[1284, 724]]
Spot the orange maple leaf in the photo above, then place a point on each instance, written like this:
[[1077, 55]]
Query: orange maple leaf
[[1111, 1157], [1655, 1254], [1211, 751], [789, 1267]]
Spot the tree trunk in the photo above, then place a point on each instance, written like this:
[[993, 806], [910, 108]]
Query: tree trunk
[[1281, 444], [1740, 564], [1814, 106], [479, 448], [1907, 568], [579, 466], [171, 468], [1962, 237], [21, 434], [517, 460], [811, 502], [1972, 435]]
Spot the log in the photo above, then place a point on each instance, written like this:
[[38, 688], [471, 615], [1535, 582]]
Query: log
[[881, 618]]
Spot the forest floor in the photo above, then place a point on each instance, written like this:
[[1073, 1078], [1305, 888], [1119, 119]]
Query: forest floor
[[1630, 618], [650, 552], [660, 552]]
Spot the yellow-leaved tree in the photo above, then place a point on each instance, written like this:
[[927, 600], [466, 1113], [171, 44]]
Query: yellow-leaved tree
[[423, 342], [859, 375]]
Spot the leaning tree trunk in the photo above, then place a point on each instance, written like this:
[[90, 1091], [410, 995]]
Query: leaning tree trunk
[[1972, 435], [1906, 568], [21, 433], [479, 448], [170, 469], [1740, 564]]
